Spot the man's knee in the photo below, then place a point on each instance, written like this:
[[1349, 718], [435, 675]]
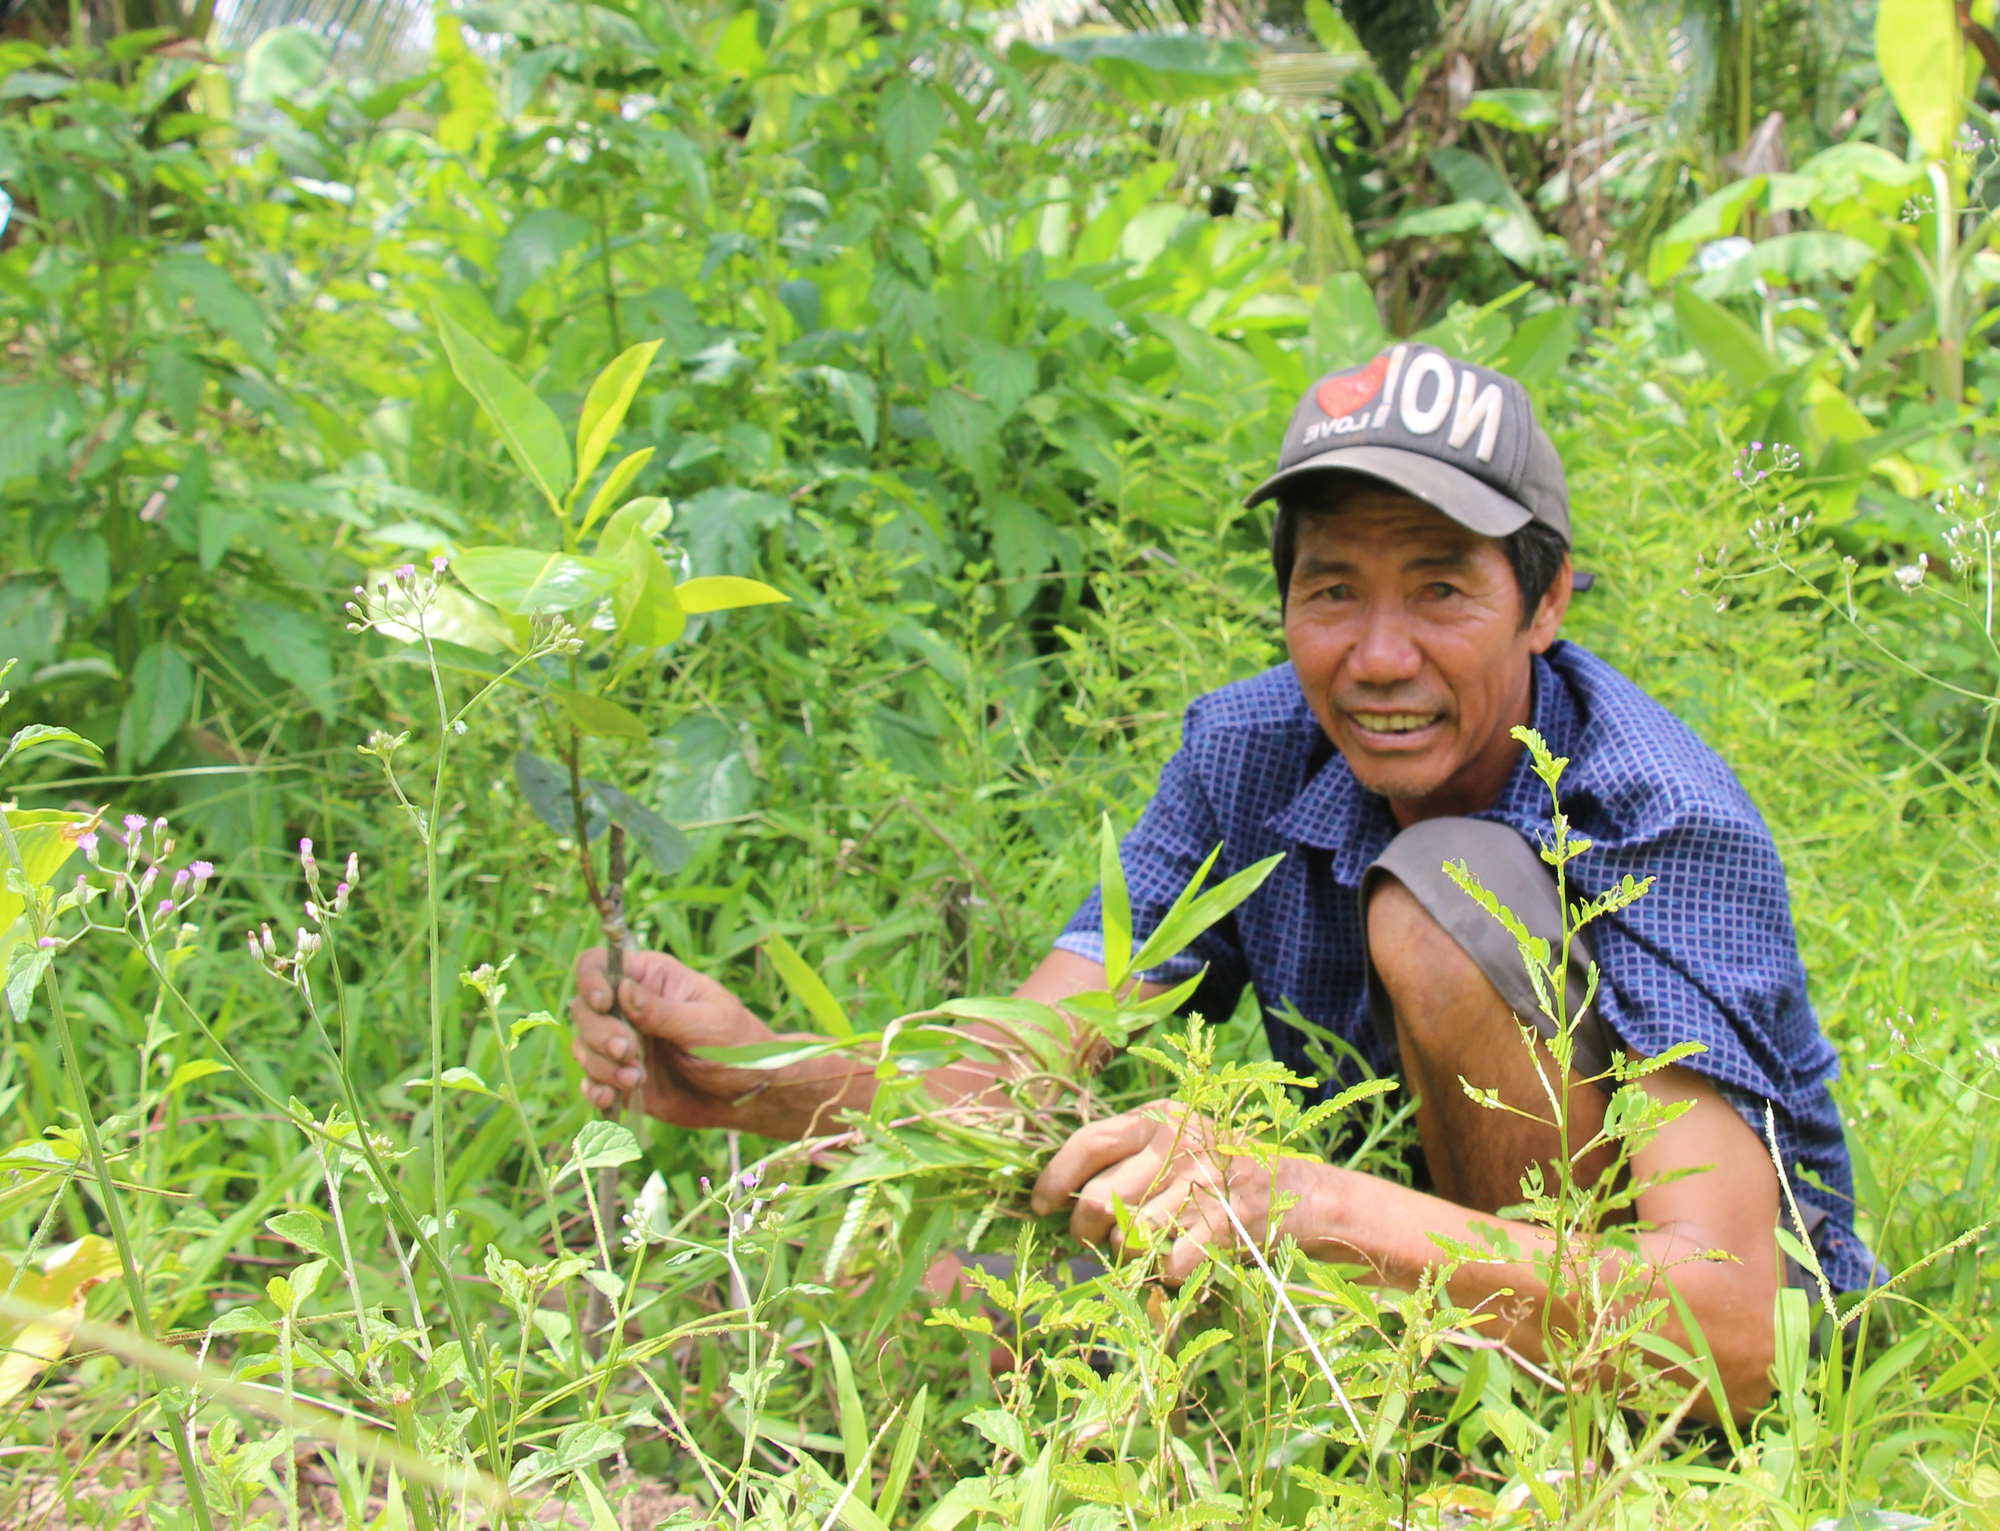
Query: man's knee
[[1437, 991]]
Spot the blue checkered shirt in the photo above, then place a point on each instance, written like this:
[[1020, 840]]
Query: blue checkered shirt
[[1708, 955]]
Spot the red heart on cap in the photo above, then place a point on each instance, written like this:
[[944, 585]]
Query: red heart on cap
[[1339, 396]]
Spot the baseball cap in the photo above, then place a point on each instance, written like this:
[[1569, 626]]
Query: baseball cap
[[1460, 437]]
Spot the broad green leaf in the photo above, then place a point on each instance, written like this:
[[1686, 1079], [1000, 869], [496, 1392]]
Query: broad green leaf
[[1117, 904], [1518, 111], [193, 1069], [1716, 216], [724, 592], [46, 838], [602, 1143], [908, 119], [1149, 67], [528, 426], [45, 735], [1194, 912], [616, 482], [533, 245], [1345, 329], [600, 717], [807, 987], [604, 408], [1918, 48], [304, 1230], [62, 1284], [546, 787], [665, 846], [524, 580], [649, 612], [1540, 346], [1727, 343], [162, 691]]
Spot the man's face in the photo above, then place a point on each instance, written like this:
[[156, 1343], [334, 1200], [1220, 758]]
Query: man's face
[[1405, 632]]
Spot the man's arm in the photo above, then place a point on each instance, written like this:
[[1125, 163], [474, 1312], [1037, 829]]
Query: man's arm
[[668, 1008], [1166, 1171]]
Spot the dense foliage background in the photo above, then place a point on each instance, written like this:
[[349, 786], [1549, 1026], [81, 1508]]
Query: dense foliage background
[[976, 325]]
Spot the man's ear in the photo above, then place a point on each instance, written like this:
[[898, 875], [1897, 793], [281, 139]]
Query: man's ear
[[1553, 607]]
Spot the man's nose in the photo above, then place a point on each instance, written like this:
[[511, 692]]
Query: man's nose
[[1386, 653]]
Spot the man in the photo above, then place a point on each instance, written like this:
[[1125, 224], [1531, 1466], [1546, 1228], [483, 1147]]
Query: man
[[1421, 548]]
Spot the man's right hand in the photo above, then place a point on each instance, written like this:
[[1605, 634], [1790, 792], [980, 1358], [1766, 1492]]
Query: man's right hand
[[667, 1008]]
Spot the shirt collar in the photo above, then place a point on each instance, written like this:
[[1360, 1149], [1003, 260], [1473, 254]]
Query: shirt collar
[[1332, 813]]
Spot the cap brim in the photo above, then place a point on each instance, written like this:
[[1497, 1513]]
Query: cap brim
[[1472, 504]]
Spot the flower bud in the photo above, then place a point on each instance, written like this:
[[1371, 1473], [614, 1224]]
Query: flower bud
[[270, 945], [312, 911], [181, 880], [87, 843], [340, 898], [353, 867], [46, 942], [439, 564], [134, 822], [165, 908], [152, 875], [201, 871]]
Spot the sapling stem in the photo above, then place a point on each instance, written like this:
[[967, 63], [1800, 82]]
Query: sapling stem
[[608, 899]]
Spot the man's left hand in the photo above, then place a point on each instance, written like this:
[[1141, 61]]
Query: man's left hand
[[1170, 1170]]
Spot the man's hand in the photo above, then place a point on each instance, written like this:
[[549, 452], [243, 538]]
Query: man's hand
[[668, 1008], [1170, 1171]]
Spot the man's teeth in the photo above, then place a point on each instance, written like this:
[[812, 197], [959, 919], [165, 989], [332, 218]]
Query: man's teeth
[[1395, 722]]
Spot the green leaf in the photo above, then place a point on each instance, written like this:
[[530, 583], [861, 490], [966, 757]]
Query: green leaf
[[605, 406], [534, 244], [1541, 345], [528, 426], [776, 1055], [724, 592], [1193, 912], [1117, 905], [220, 303], [1518, 111], [616, 482], [283, 64], [1149, 68], [853, 1421], [908, 121], [1716, 216], [43, 735], [546, 787], [524, 580], [665, 846], [600, 717], [857, 391], [807, 987], [193, 1069], [1919, 48], [1345, 329], [1727, 343], [601, 1144], [162, 689], [304, 1230], [649, 612], [902, 1457]]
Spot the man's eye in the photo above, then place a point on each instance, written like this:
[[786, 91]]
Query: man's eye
[[1439, 590], [1338, 593]]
